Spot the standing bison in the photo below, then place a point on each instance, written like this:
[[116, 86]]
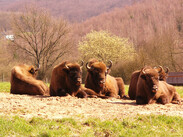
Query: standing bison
[[99, 80], [151, 90], [134, 78], [23, 81], [66, 80]]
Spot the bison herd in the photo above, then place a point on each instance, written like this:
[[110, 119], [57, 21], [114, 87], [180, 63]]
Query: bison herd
[[147, 85]]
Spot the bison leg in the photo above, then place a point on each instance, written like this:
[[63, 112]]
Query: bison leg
[[81, 94], [93, 94], [44, 89], [62, 92], [152, 101], [59, 92], [176, 98], [111, 94], [140, 100], [52, 92], [121, 87], [163, 99]]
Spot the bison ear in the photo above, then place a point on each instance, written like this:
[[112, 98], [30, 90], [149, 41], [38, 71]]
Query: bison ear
[[110, 65], [108, 71], [66, 68], [143, 76]]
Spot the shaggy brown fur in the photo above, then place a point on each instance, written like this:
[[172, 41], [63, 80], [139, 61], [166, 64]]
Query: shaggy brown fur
[[101, 82], [66, 79], [151, 90], [133, 85], [23, 81], [134, 78]]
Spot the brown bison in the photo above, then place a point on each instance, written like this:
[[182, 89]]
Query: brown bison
[[66, 80], [134, 78], [23, 81], [151, 90], [99, 80]]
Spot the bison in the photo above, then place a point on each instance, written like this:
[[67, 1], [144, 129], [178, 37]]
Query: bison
[[23, 81], [99, 80], [151, 90], [134, 78], [66, 80]]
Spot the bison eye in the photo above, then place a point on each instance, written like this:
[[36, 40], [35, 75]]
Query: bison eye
[[96, 71]]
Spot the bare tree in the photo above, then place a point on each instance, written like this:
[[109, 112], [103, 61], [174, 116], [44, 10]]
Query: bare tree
[[40, 37]]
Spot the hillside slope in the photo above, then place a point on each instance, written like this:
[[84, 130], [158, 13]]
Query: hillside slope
[[139, 22], [73, 10]]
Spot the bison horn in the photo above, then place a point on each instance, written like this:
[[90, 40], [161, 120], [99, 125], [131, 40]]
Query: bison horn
[[110, 64], [82, 62], [87, 66], [143, 71], [161, 68], [66, 65], [167, 70]]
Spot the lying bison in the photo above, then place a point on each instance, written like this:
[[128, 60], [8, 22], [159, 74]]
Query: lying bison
[[66, 80], [23, 81], [99, 80], [151, 90], [134, 78]]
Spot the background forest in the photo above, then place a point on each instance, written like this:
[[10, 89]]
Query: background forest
[[149, 31]]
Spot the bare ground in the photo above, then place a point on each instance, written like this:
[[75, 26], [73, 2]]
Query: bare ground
[[61, 107]]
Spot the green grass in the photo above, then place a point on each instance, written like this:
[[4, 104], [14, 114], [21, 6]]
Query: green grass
[[179, 90], [139, 126], [4, 87], [126, 89]]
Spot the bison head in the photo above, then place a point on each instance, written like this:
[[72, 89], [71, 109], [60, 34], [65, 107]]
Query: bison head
[[32, 71], [98, 72], [163, 74], [151, 78], [74, 73]]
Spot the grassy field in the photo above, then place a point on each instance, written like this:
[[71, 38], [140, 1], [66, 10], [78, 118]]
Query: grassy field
[[150, 126]]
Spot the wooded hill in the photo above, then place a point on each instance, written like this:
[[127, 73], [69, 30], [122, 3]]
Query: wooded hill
[[139, 22], [72, 10]]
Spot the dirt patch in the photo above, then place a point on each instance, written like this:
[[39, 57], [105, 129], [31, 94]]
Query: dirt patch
[[62, 107]]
